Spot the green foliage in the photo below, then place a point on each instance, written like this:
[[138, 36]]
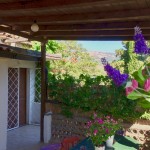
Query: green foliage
[[137, 75], [75, 61], [140, 94], [129, 62], [146, 115], [100, 129], [74, 80], [36, 46], [51, 46], [66, 111], [133, 65], [91, 94]]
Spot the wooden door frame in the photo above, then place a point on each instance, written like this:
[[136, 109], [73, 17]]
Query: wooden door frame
[[22, 96]]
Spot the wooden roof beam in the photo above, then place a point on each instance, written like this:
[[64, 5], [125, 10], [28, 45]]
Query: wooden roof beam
[[90, 26], [94, 38], [121, 15], [99, 33], [9, 30], [53, 3]]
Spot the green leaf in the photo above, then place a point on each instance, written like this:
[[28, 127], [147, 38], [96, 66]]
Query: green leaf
[[144, 103], [134, 95], [147, 99], [139, 76]]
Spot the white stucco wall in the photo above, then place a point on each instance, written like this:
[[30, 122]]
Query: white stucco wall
[[35, 107], [4, 65], [3, 104]]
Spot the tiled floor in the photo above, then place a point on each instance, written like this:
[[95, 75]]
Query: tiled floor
[[24, 138]]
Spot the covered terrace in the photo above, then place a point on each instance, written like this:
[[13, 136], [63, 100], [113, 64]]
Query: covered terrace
[[71, 20]]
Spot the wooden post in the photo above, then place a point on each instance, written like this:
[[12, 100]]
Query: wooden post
[[43, 88]]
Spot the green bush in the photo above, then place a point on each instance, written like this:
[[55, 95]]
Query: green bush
[[91, 94]]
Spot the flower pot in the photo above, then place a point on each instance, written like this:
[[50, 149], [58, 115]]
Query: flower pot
[[100, 148], [109, 141]]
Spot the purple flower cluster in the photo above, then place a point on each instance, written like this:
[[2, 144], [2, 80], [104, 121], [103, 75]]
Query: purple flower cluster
[[89, 123], [140, 43], [115, 75], [99, 120]]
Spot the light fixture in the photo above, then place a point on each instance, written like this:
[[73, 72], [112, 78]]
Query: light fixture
[[35, 27]]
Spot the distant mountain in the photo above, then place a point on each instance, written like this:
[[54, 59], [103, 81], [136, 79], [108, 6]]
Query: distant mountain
[[98, 55]]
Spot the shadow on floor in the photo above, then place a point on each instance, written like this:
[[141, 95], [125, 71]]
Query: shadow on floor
[[24, 138]]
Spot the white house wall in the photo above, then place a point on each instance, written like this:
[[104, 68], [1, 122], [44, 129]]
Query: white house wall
[[35, 107], [4, 65], [3, 104]]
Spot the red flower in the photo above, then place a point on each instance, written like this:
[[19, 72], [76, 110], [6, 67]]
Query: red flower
[[95, 132], [100, 121], [128, 90], [147, 85], [107, 131], [134, 86]]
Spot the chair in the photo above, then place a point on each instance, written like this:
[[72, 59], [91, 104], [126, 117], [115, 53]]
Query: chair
[[69, 142], [85, 144]]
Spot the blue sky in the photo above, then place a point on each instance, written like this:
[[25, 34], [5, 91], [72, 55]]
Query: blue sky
[[103, 46]]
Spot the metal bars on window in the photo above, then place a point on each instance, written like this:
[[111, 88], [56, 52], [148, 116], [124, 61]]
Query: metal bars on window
[[13, 104]]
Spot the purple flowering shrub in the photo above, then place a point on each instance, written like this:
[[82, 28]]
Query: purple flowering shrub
[[118, 78], [139, 85], [101, 128], [140, 43]]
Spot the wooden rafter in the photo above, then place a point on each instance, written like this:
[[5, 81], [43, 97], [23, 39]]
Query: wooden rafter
[[9, 30], [76, 19], [73, 20], [94, 38], [122, 15], [54, 3], [90, 33], [90, 26]]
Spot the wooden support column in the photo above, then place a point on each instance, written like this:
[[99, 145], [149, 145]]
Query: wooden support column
[[43, 88]]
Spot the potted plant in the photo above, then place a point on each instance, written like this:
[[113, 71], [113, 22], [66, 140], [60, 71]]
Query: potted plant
[[100, 129], [112, 126]]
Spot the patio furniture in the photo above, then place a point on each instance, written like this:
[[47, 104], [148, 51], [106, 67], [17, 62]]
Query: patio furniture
[[85, 144], [121, 143], [124, 143], [66, 144], [69, 142]]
